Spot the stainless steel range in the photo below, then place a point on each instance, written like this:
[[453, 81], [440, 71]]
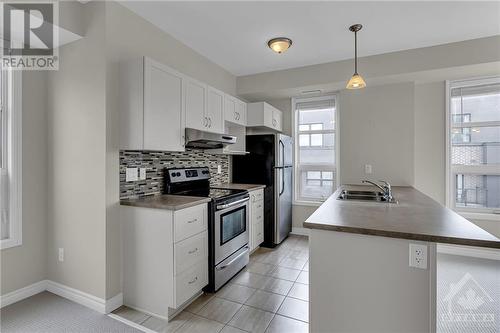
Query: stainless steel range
[[227, 222]]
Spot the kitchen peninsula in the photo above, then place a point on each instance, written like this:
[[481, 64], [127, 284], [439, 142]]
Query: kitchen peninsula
[[360, 267]]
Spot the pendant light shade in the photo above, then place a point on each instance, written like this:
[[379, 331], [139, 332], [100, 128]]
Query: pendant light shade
[[356, 81]]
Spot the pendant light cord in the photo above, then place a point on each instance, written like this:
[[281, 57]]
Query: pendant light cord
[[355, 52]]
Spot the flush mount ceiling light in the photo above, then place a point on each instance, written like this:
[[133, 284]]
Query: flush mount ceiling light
[[280, 44], [356, 81]]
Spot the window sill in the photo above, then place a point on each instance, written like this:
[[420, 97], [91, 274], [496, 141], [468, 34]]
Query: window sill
[[307, 203], [479, 216], [9, 243]]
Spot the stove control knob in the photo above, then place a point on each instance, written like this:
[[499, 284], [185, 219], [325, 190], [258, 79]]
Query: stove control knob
[[178, 174], [173, 174]]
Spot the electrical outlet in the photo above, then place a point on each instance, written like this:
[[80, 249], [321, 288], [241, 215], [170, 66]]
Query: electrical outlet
[[142, 173], [131, 175], [418, 256], [219, 169], [368, 169], [61, 254]]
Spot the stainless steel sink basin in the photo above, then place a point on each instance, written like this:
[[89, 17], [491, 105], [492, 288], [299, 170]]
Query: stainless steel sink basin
[[374, 196], [367, 193]]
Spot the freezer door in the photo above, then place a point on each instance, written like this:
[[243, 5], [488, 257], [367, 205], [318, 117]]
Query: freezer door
[[284, 150], [283, 203]]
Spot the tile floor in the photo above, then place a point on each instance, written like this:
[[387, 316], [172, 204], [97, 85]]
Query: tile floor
[[270, 295]]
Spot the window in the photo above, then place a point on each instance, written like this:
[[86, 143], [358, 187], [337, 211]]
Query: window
[[10, 158], [315, 128], [473, 163]]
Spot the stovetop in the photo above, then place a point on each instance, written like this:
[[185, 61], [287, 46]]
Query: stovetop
[[213, 193]]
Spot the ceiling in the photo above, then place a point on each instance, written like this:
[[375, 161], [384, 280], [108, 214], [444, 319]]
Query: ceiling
[[234, 34]]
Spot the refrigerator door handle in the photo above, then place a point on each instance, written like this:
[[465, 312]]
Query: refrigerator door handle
[[282, 153], [282, 170]]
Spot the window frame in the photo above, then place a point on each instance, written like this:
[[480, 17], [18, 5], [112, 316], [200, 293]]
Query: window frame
[[450, 193], [295, 134], [12, 95]]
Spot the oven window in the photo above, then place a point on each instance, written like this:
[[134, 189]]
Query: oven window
[[233, 224]]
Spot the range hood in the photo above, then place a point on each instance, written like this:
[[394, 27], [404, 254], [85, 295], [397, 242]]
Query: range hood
[[205, 140]]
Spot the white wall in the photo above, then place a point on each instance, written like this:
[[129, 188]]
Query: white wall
[[26, 264]]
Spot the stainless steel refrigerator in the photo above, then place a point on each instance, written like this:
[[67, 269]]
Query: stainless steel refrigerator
[[269, 162]]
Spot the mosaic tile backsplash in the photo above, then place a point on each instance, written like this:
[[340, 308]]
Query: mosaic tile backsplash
[[155, 162]]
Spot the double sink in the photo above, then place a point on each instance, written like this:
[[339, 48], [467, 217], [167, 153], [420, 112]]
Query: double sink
[[375, 196]]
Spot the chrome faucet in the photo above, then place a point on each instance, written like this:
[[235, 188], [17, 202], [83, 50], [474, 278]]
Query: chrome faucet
[[386, 189]]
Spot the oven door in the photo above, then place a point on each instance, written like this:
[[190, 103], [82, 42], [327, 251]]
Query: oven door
[[231, 228]]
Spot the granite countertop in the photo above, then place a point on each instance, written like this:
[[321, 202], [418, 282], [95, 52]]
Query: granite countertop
[[234, 186], [416, 217], [165, 201]]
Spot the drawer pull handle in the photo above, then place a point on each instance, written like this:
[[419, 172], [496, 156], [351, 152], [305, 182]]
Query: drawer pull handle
[[194, 280], [192, 221], [193, 251]]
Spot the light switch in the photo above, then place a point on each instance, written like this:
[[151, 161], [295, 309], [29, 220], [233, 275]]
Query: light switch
[[131, 175], [142, 173], [219, 169]]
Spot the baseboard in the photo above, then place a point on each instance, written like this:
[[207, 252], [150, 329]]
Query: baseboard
[[77, 296], [20, 294], [114, 303], [469, 251], [300, 231]]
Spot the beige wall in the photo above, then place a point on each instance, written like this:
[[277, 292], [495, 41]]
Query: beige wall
[[130, 36], [77, 151], [376, 127], [26, 264], [430, 139]]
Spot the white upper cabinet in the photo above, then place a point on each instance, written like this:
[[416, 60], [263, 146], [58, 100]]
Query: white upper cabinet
[[235, 111], [204, 106], [151, 107], [262, 114], [195, 102], [215, 110]]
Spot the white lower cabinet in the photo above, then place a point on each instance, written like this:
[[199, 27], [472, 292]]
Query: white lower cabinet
[[165, 257], [256, 224]]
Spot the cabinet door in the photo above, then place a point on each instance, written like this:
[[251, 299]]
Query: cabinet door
[[229, 109], [277, 117], [163, 111], [215, 111], [241, 112], [195, 103], [268, 116]]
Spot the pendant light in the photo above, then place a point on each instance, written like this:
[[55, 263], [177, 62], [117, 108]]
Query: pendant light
[[356, 81]]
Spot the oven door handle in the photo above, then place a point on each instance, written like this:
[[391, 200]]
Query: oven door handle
[[233, 260], [237, 202]]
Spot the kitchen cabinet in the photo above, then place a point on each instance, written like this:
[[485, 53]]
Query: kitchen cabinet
[[204, 106], [256, 225], [235, 110], [262, 114], [151, 106], [215, 110], [165, 257], [195, 101]]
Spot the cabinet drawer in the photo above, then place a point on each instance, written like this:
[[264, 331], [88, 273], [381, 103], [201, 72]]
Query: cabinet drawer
[[191, 282], [189, 222], [190, 251], [258, 233], [257, 195]]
